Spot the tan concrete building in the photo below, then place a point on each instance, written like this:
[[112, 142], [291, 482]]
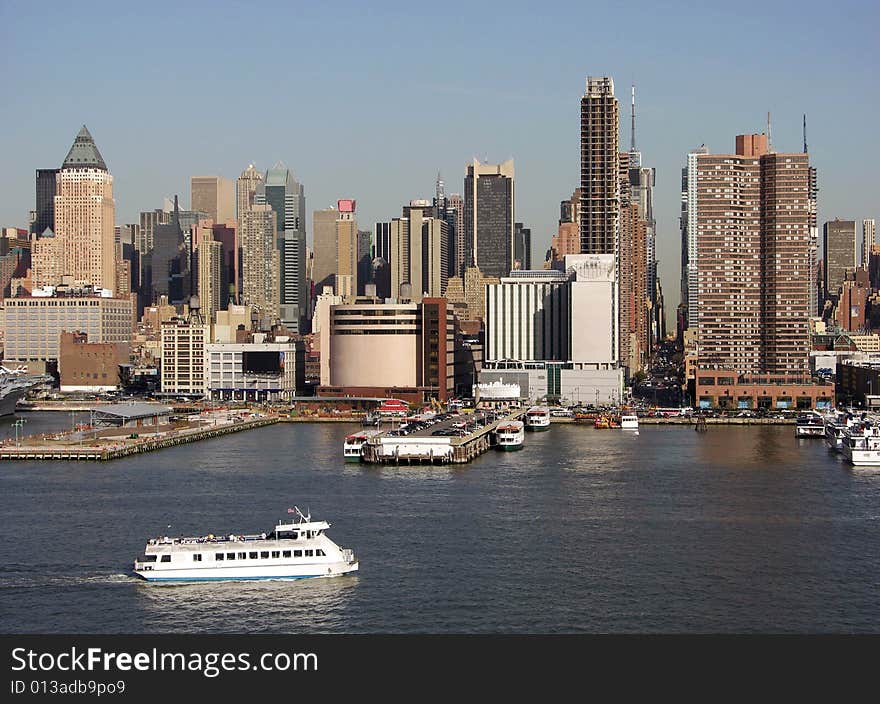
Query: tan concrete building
[[213, 195], [84, 242], [261, 263], [210, 266], [633, 289], [419, 252], [467, 294], [183, 356], [370, 348], [335, 261]]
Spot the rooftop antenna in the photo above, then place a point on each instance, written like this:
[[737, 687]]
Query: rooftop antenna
[[769, 134], [805, 133]]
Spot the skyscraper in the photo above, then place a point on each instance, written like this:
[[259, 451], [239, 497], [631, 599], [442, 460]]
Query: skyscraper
[[839, 256], [455, 212], [261, 261], [45, 203], [246, 189], [214, 196], [84, 243], [522, 246], [688, 222], [287, 198], [752, 225], [868, 234], [600, 176], [336, 248], [419, 252], [489, 217]]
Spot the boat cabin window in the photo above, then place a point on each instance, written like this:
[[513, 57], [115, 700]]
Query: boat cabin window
[[276, 553], [285, 553], [149, 558], [320, 553], [310, 553], [265, 554], [218, 555], [166, 558], [242, 556], [286, 535], [253, 555], [197, 557], [230, 556], [297, 553]]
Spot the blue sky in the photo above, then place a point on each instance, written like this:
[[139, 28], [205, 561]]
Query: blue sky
[[369, 101]]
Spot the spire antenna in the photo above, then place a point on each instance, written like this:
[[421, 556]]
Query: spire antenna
[[632, 143], [805, 133], [769, 134]]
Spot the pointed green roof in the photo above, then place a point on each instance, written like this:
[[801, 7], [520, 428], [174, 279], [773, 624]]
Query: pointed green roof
[[84, 154]]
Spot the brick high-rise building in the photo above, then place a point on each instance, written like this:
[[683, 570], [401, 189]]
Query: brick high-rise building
[[750, 212], [261, 261], [600, 175]]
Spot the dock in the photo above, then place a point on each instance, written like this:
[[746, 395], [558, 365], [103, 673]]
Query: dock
[[425, 447], [114, 448]]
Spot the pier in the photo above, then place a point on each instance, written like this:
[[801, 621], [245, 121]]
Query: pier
[[113, 448], [426, 447]]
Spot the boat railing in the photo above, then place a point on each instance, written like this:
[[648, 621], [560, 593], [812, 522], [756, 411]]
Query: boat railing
[[348, 555]]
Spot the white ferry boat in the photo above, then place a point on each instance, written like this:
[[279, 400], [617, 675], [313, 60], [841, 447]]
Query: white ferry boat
[[351, 448], [861, 445], [538, 418], [510, 435], [293, 550], [809, 425], [629, 421]]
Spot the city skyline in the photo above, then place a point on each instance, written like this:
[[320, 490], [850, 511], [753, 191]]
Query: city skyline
[[153, 153]]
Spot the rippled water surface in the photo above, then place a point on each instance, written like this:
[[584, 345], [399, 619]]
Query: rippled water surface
[[739, 529]]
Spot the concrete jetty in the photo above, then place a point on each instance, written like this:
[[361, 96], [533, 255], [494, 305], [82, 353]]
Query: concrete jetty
[[65, 448]]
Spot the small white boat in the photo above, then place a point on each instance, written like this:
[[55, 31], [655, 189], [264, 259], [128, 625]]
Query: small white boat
[[538, 418], [352, 448], [861, 445], [510, 435], [629, 421], [809, 425], [293, 550], [836, 426]]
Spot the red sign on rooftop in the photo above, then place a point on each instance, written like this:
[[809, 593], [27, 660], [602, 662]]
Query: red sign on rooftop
[[346, 206]]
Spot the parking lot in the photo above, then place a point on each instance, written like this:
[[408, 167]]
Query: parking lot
[[446, 424]]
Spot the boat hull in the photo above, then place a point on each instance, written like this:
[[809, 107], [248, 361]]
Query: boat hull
[[809, 432], [233, 574], [537, 428], [510, 448], [7, 402], [354, 460]]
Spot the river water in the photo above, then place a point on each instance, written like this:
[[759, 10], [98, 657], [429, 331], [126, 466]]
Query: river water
[[740, 529]]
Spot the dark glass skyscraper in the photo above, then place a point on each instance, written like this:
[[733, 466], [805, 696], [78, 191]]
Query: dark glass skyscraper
[[488, 217], [286, 196], [45, 203]]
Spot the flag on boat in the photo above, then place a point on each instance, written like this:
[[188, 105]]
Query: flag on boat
[[291, 510]]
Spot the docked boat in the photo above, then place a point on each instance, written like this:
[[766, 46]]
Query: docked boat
[[293, 550], [629, 421], [353, 446], [510, 435], [836, 426], [606, 421], [538, 418], [809, 425], [861, 445]]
